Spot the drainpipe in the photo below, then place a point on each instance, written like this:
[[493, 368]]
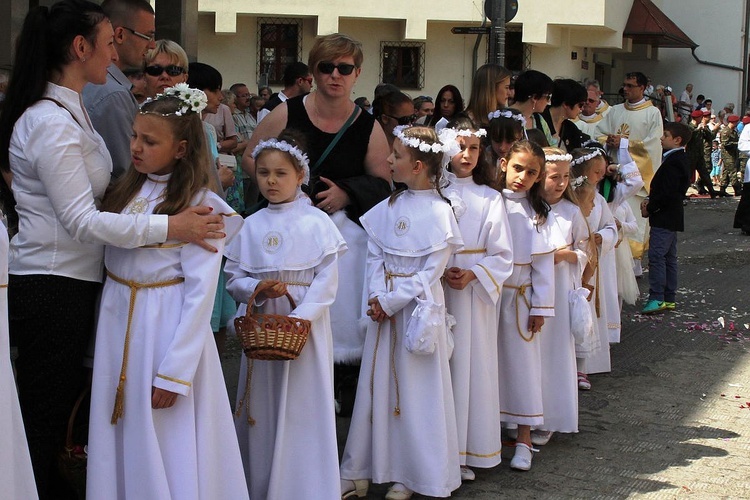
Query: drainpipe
[[475, 53], [715, 64]]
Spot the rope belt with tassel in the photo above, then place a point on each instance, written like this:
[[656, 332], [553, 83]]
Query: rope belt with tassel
[[118, 410]]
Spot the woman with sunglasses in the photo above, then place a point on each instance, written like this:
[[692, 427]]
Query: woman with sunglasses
[[166, 66], [346, 181], [533, 91], [391, 110], [568, 98]]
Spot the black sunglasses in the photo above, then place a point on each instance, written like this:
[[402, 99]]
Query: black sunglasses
[[328, 67], [172, 70], [404, 120]]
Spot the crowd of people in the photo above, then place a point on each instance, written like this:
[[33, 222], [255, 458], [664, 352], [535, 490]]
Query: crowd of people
[[462, 265]]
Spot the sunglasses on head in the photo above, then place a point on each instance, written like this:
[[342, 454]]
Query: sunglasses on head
[[328, 67], [403, 120], [172, 70]]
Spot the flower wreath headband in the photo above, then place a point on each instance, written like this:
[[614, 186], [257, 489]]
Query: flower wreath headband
[[583, 159], [416, 143], [507, 114], [192, 100], [579, 181], [284, 146], [556, 158]]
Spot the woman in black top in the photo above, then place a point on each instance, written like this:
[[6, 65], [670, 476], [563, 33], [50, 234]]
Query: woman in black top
[[351, 179]]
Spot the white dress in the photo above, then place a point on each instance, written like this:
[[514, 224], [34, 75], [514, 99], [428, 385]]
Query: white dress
[[403, 428], [488, 253], [16, 475], [559, 381], [188, 451], [607, 319], [290, 451], [530, 290], [627, 286]]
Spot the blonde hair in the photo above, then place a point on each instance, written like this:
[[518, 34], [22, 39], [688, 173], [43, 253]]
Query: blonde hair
[[191, 173], [569, 194], [172, 49], [333, 46], [483, 100]]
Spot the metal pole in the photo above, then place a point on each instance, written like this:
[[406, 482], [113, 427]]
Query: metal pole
[[497, 33]]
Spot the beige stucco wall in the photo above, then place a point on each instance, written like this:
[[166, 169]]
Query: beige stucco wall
[[448, 57]]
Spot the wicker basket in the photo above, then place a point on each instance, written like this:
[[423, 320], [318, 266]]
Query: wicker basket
[[271, 336], [71, 460]]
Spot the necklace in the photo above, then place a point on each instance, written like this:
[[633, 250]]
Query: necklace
[[140, 204]]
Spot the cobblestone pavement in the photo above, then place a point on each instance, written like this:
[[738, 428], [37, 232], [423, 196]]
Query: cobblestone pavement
[[671, 420]]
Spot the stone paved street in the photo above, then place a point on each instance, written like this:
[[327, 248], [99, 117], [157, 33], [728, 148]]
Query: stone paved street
[[671, 420]]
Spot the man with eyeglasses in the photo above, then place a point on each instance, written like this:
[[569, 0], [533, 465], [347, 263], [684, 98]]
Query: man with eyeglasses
[[588, 118], [636, 125], [297, 81], [112, 106]]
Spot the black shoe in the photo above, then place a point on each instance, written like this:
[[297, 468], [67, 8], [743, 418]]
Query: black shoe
[[724, 194]]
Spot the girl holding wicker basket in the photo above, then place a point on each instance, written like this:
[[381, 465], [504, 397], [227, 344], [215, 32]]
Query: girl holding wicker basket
[[284, 262], [403, 428]]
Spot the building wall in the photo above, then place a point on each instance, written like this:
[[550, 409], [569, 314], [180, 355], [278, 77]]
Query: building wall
[[590, 28], [235, 54], [717, 27]]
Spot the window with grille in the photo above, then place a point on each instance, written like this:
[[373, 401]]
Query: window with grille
[[279, 44], [402, 64]]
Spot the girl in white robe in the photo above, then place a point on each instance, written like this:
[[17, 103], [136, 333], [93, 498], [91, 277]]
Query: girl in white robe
[[629, 183], [559, 383], [286, 423], [403, 428], [161, 425], [473, 285], [16, 475], [528, 295], [591, 164]]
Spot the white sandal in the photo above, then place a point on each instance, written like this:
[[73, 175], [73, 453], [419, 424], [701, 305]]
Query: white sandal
[[522, 459]]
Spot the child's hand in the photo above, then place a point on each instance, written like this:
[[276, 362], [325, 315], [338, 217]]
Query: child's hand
[[644, 209], [458, 278], [536, 323], [565, 255], [275, 289], [375, 312], [162, 398]]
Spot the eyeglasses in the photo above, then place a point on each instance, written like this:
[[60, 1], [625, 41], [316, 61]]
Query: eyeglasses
[[172, 70], [149, 38], [630, 85], [403, 120], [327, 68]]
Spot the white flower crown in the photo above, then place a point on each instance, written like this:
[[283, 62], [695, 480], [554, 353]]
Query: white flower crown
[[413, 142], [578, 181], [192, 99], [583, 159], [507, 114], [284, 146], [556, 158]]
